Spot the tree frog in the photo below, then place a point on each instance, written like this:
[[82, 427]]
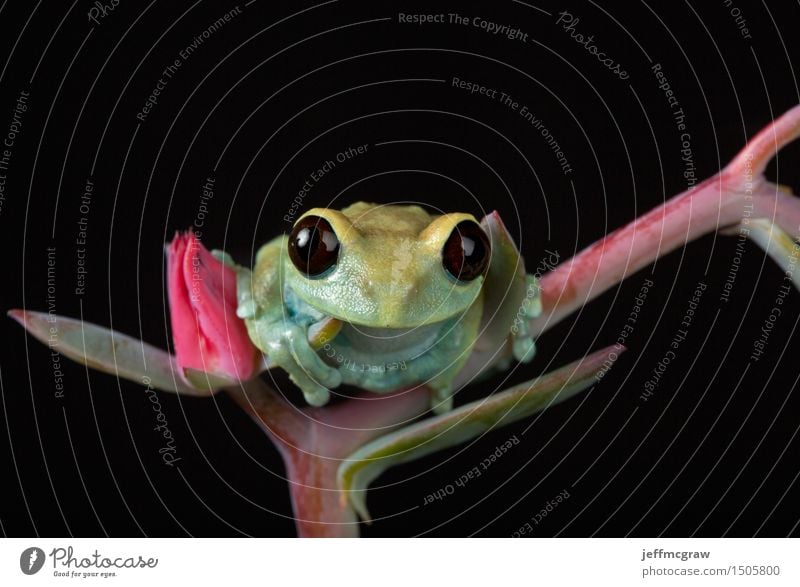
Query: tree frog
[[385, 297]]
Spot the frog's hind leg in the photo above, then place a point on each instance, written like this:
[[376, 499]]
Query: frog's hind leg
[[453, 351]]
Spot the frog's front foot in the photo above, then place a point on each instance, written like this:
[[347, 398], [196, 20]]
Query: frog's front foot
[[288, 347], [522, 343]]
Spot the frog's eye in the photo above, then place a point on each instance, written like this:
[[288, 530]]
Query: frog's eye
[[465, 255], [313, 246]]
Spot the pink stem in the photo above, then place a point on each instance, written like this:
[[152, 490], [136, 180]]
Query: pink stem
[[727, 199], [314, 441]]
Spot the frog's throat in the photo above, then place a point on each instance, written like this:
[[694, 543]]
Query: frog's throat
[[303, 310], [398, 327], [390, 344], [381, 321]]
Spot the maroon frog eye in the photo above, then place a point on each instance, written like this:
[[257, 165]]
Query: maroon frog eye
[[465, 255], [313, 246]]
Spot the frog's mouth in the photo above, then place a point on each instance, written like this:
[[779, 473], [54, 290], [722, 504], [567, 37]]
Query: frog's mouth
[[379, 307], [371, 338], [324, 331], [361, 344]]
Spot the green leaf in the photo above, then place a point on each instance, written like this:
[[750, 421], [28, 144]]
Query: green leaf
[[778, 245], [467, 422], [107, 351], [208, 381]]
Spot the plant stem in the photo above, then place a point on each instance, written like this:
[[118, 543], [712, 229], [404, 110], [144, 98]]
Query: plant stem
[[314, 441]]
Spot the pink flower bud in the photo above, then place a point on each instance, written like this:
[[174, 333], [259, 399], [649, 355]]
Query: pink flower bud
[[208, 335]]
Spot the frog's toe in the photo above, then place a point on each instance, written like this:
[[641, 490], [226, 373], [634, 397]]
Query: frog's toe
[[524, 348], [442, 401], [319, 396], [314, 391], [246, 309], [289, 350], [313, 364]]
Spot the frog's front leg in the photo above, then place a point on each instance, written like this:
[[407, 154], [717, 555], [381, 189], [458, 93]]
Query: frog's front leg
[[287, 345], [461, 339], [279, 331]]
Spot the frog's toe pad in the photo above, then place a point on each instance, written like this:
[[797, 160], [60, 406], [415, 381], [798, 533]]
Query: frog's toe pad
[[317, 397], [524, 349], [441, 402], [247, 309]]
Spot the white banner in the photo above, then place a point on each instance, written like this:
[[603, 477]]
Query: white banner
[[332, 562]]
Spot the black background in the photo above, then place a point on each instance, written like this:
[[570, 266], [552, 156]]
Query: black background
[[277, 91]]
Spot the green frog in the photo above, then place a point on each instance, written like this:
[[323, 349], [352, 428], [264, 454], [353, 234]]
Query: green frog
[[386, 297]]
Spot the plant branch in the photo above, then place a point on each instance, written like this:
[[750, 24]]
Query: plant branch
[[723, 202]]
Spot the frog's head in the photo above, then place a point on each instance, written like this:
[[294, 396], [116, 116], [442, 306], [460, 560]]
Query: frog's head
[[387, 266]]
